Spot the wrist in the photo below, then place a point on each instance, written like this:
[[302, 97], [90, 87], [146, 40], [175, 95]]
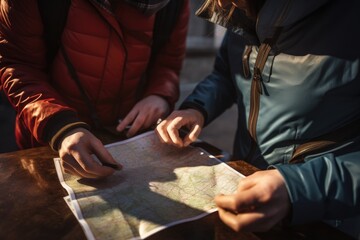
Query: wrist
[[197, 114], [195, 107], [56, 140]]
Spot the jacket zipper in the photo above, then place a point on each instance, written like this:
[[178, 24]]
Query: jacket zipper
[[254, 102], [255, 92], [256, 84]]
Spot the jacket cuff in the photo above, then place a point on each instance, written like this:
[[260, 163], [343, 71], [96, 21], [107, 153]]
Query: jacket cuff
[[305, 195], [58, 122], [59, 136]]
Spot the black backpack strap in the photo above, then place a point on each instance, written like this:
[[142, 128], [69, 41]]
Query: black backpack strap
[[72, 71], [53, 14], [165, 23]]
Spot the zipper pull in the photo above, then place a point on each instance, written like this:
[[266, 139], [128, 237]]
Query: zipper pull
[[258, 79]]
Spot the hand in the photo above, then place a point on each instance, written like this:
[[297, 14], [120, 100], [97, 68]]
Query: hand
[[144, 114], [168, 130], [259, 203], [75, 153]]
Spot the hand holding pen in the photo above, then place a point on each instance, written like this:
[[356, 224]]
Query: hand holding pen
[[76, 153]]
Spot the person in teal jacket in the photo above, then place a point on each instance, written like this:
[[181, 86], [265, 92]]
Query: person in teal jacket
[[293, 70]]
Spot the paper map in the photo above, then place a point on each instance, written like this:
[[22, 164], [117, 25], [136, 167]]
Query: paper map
[[159, 186]]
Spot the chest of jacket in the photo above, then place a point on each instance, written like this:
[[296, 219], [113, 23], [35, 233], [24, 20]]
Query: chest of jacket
[[301, 97], [109, 51]]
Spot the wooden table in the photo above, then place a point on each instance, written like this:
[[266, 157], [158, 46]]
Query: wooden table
[[32, 206]]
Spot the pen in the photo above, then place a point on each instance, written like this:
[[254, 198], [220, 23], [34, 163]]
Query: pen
[[127, 127], [111, 165]]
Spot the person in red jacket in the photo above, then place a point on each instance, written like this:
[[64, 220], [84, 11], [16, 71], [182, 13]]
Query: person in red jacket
[[108, 45]]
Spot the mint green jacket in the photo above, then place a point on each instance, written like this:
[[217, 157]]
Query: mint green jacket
[[309, 87]]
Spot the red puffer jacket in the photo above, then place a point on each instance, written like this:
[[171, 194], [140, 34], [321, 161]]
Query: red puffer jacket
[[110, 52]]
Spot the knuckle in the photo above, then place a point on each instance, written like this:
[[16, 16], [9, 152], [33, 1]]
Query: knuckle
[[140, 118], [71, 148], [170, 128], [97, 141], [237, 227], [88, 168], [236, 224], [235, 204]]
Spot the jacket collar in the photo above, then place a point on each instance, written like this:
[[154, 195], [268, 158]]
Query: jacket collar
[[104, 4], [149, 7], [275, 14]]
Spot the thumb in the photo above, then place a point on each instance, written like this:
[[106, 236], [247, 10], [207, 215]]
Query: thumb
[[193, 135]]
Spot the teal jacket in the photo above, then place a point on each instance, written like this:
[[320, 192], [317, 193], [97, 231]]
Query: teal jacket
[[309, 87]]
